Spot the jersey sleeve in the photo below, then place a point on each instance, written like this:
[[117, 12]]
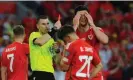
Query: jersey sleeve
[[68, 55], [96, 59], [4, 59], [33, 36]]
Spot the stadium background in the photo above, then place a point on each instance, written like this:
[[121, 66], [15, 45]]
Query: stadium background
[[114, 17]]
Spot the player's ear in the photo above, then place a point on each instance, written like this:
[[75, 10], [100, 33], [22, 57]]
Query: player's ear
[[24, 35], [37, 25], [68, 38]]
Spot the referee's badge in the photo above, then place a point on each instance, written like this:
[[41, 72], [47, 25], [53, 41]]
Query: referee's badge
[[90, 36]]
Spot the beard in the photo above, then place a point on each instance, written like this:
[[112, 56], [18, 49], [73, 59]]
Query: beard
[[83, 24], [43, 31]]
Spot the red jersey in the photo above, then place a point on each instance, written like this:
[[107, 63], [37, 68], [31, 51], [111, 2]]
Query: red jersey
[[15, 59], [91, 39], [79, 55]]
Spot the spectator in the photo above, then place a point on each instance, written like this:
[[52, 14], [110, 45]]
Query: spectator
[[8, 26], [29, 23], [105, 54]]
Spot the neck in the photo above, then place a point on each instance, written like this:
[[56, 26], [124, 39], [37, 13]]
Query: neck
[[20, 40], [83, 28], [74, 37]]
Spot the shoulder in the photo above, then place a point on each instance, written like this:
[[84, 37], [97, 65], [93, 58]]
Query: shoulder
[[6, 49], [11, 45], [25, 45], [34, 33]]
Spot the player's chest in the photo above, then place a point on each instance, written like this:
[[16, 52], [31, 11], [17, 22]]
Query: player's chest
[[88, 36]]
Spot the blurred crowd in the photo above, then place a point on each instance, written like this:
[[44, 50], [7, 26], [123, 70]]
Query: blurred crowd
[[116, 56]]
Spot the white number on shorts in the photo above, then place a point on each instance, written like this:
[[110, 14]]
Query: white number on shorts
[[87, 63], [11, 57]]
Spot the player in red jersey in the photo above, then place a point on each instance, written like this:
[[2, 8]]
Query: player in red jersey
[[88, 31], [14, 57], [78, 55]]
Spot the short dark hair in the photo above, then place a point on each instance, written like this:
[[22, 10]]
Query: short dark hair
[[80, 8], [18, 30], [41, 17], [64, 31]]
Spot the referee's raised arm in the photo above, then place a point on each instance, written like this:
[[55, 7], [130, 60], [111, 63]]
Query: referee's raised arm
[[57, 26]]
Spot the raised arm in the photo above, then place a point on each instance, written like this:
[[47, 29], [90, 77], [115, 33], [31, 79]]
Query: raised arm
[[76, 21], [101, 36]]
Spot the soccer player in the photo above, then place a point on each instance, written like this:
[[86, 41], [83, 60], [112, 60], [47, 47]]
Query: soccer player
[[41, 51], [87, 30], [78, 56], [14, 57]]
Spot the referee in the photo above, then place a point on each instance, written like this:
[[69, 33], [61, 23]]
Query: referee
[[41, 52]]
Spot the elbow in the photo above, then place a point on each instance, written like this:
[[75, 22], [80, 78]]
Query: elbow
[[105, 40], [100, 66]]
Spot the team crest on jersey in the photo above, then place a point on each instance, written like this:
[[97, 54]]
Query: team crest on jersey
[[90, 36]]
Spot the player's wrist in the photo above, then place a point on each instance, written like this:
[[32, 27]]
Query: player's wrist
[[94, 28], [75, 26], [93, 25]]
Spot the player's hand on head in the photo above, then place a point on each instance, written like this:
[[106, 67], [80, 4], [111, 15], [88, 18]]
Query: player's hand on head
[[90, 20], [76, 20]]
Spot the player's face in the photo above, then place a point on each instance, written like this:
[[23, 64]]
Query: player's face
[[43, 26], [67, 39], [83, 19]]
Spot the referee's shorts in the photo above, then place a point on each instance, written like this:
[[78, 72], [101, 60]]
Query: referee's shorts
[[42, 75]]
